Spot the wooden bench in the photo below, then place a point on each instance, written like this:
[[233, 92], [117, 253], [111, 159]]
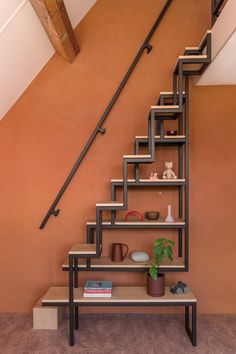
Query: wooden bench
[[122, 296]]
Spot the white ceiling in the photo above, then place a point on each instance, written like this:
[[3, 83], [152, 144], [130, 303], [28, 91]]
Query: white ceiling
[[7, 8], [25, 47], [222, 70]]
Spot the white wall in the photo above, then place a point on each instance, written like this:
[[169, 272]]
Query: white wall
[[222, 70], [25, 47]]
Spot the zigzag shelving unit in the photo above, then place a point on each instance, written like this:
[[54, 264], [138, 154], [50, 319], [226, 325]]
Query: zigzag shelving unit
[[88, 256]]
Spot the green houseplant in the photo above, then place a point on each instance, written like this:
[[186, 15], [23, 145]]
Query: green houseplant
[[163, 248]]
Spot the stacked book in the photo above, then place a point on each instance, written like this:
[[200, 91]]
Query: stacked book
[[98, 288]]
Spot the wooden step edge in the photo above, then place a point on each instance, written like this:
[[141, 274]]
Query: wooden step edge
[[120, 294], [136, 156], [145, 223], [165, 107], [191, 48], [105, 262], [170, 92], [148, 180], [83, 249], [203, 56], [158, 137], [110, 204]]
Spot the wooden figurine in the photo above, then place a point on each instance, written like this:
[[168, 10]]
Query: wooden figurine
[[169, 174]]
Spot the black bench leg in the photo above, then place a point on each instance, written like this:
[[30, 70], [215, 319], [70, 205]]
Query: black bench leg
[[191, 333], [72, 325], [76, 317]]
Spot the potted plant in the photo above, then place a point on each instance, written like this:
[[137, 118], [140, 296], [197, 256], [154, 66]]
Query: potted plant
[[163, 248]]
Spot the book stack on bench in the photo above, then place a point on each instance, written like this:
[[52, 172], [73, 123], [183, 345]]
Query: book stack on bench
[[98, 288]]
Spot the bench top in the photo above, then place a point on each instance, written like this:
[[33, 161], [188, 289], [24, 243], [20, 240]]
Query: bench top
[[120, 294]]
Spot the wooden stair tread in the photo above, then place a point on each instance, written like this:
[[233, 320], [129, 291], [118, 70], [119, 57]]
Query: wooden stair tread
[[120, 294], [138, 222], [191, 48], [105, 261], [165, 107], [147, 180], [158, 137], [170, 92], [110, 203], [136, 156], [83, 248], [202, 56]]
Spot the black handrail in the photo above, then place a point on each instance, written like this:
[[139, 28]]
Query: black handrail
[[99, 129]]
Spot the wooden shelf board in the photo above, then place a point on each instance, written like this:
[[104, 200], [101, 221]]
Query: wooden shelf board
[[147, 180], [165, 137], [111, 203], [138, 222], [193, 57], [83, 248], [105, 262], [120, 294], [170, 92], [191, 48], [165, 107], [136, 156]]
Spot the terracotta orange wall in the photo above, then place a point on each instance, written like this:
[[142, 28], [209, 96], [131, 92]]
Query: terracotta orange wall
[[43, 133]]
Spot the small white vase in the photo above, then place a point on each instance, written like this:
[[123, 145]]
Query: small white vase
[[169, 217]]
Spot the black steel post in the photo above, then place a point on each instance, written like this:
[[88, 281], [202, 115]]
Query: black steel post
[[136, 166], [71, 302], [113, 197], [194, 324], [186, 173]]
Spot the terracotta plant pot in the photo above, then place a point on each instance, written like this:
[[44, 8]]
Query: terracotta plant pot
[[156, 287]]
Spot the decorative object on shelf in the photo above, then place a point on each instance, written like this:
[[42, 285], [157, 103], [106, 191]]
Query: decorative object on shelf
[[117, 254], [140, 256], [171, 132], [169, 217], [180, 288], [152, 215], [135, 213], [169, 173], [153, 176], [163, 248], [98, 288]]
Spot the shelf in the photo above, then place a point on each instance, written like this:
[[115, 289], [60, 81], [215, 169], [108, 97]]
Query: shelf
[[83, 249], [126, 264], [110, 204], [120, 223], [149, 183], [120, 294], [167, 139], [158, 137]]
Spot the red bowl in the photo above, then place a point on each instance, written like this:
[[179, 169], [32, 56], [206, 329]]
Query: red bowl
[[171, 132]]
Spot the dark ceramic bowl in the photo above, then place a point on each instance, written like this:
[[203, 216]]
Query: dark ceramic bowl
[[171, 132], [152, 215]]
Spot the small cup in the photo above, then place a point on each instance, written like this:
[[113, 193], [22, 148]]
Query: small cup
[[152, 215]]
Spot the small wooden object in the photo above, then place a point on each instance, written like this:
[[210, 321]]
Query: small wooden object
[[47, 317]]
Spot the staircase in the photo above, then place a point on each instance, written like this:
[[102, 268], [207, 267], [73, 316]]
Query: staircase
[[172, 105]]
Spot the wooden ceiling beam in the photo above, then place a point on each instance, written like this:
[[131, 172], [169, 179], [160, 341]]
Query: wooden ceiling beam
[[56, 22]]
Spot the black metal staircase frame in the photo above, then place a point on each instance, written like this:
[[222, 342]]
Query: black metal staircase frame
[[170, 106], [179, 109]]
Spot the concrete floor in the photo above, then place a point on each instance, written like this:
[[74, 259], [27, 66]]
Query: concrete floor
[[120, 334]]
